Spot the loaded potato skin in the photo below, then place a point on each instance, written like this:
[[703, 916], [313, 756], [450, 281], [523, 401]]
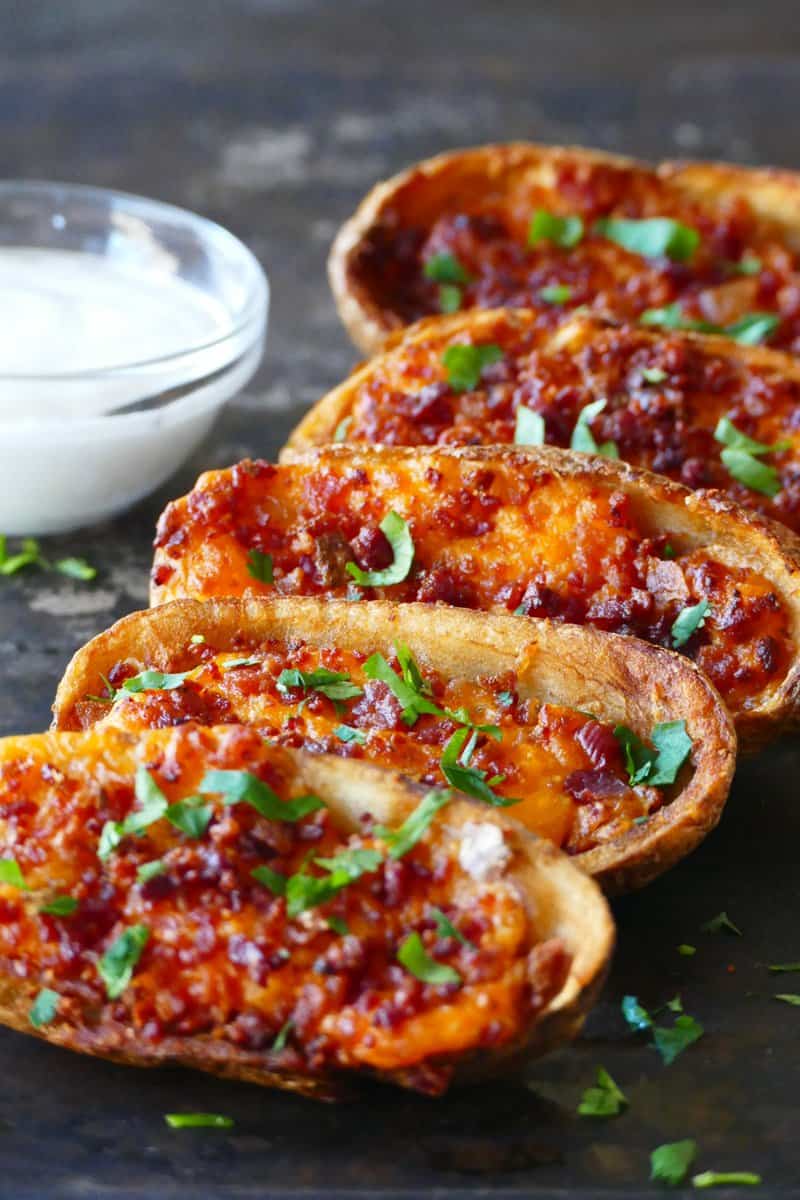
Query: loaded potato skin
[[196, 896], [540, 532]]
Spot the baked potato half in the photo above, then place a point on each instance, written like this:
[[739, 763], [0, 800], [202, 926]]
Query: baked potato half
[[697, 245], [403, 687], [701, 410], [195, 896], [540, 532]]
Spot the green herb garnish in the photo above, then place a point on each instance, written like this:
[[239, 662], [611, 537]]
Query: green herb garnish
[[556, 293], [465, 364], [397, 534], [31, 556], [149, 870], [653, 375], [686, 950], [670, 1042], [271, 879], [282, 1037], [259, 566], [44, 1008], [60, 906], [153, 681], [788, 998], [307, 891], [783, 968], [11, 874], [582, 437], [446, 929], [709, 1179], [191, 816], [335, 685], [470, 780], [652, 237], [753, 329], [445, 268], [402, 839], [240, 787], [670, 1163], [338, 925], [340, 432], [417, 962], [450, 297], [349, 733], [605, 1099], [529, 428], [721, 923], [742, 457], [748, 331], [688, 621], [564, 232], [657, 767], [117, 964], [198, 1120]]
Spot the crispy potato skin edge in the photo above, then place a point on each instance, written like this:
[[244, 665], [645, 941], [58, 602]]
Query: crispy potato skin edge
[[621, 679], [773, 194], [562, 900]]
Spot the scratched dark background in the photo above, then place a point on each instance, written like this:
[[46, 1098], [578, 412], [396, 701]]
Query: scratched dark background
[[274, 116]]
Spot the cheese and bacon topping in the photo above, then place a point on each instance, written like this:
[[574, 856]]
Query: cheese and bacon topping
[[551, 230], [567, 776], [175, 887], [536, 532], [701, 412]]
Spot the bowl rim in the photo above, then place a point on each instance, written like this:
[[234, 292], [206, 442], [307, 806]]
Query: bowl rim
[[254, 312]]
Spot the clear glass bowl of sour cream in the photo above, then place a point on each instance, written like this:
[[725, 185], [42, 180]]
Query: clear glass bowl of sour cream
[[126, 325]]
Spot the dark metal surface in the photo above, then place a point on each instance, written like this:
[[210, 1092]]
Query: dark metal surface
[[273, 116]]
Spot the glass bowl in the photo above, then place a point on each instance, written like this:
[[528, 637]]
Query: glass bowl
[[81, 444]]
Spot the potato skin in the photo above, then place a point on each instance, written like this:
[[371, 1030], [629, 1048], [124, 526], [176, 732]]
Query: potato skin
[[561, 901], [463, 179], [621, 680], [204, 558]]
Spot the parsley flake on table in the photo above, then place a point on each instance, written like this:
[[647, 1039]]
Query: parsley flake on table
[[721, 923], [788, 998], [198, 1120], [31, 556], [465, 363], [669, 1041], [582, 437], [398, 535], [783, 968], [604, 1099], [670, 1163], [413, 956], [709, 1179]]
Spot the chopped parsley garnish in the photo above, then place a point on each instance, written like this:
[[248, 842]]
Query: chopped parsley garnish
[[707, 1179], [465, 364], [349, 733], [657, 767], [233, 664], [653, 375], [191, 816], [450, 297], [445, 268], [669, 1041], [149, 870], [564, 232], [742, 457], [240, 787], [688, 621], [282, 1037], [470, 780], [788, 998], [446, 929], [60, 906], [338, 925], [582, 437], [748, 331], [152, 807], [413, 956], [335, 685], [686, 950], [398, 535], [31, 556], [307, 891], [556, 293], [153, 681], [529, 427], [197, 639], [117, 964], [783, 968], [506, 699], [605, 1099], [44, 1008], [670, 1163], [721, 923], [413, 693], [259, 566], [406, 836], [198, 1120], [749, 265], [340, 432], [11, 874], [270, 879], [652, 237]]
